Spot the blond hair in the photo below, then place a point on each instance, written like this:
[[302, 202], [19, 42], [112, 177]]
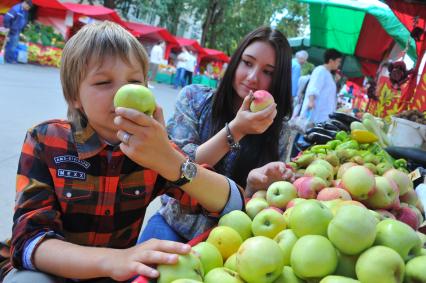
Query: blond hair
[[95, 42]]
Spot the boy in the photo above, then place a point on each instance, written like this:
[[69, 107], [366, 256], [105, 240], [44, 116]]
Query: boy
[[83, 185]]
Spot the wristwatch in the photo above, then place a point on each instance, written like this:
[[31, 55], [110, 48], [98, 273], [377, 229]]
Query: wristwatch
[[188, 170]]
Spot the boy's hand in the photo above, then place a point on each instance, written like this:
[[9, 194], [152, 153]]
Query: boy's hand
[[260, 178], [247, 122], [148, 145], [138, 260], [158, 115]]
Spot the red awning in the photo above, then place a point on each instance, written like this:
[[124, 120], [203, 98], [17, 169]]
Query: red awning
[[151, 32], [53, 4], [215, 55], [191, 44]]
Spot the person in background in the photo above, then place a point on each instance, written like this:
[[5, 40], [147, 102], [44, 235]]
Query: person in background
[[321, 95], [182, 58], [190, 65], [15, 20], [83, 184], [155, 59], [216, 127], [296, 69]]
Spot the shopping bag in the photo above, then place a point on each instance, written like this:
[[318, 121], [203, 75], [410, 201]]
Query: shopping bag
[[301, 123]]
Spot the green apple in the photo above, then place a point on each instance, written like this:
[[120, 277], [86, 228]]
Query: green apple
[[255, 205], [422, 237], [376, 215], [332, 204], [137, 97], [380, 264], [313, 256], [324, 163], [239, 221], [415, 270], [210, 256], [188, 266], [288, 276], [184, 280], [280, 193], [338, 279], [352, 230], [259, 259], [343, 168], [401, 179], [286, 240], [359, 182], [295, 201], [231, 262], [259, 194], [321, 171], [398, 236], [223, 275], [385, 195], [346, 265], [268, 223], [310, 217], [225, 239], [286, 216]]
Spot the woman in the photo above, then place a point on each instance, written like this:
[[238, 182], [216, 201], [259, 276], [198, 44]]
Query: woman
[[216, 127]]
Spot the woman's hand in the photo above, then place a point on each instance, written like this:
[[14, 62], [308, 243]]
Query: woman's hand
[[147, 143], [138, 260], [260, 178], [247, 122]]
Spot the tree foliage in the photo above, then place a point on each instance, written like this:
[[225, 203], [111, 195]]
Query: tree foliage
[[224, 22]]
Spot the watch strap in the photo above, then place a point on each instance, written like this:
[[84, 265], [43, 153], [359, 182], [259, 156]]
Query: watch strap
[[183, 178]]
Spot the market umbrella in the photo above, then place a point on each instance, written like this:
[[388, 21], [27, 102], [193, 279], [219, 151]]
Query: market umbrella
[[363, 30]]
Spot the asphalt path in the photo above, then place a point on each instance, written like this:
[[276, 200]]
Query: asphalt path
[[29, 95]]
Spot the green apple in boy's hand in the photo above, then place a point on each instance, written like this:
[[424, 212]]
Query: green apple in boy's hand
[[137, 97]]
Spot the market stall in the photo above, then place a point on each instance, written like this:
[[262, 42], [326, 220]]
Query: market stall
[[365, 31]]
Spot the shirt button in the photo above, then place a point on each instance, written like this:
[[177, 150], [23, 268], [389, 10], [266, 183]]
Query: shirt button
[[68, 195], [107, 212], [137, 192]]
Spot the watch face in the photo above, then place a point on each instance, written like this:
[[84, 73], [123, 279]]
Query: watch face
[[189, 170]]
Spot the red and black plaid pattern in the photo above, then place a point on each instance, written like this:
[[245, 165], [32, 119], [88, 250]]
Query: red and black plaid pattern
[[71, 182]]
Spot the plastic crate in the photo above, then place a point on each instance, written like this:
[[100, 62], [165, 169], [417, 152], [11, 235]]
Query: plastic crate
[[193, 242]]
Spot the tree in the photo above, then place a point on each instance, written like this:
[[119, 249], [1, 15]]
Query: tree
[[295, 20], [225, 22]]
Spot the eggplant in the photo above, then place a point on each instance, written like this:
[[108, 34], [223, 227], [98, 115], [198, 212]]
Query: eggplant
[[340, 125], [322, 131], [319, 138], [414, 154], [344, 118], [331, 126]]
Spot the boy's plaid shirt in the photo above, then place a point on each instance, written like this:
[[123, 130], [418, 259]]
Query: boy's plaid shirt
[[72, 183]]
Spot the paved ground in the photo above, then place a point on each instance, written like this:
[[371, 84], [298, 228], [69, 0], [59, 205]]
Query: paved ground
[[28, 95]]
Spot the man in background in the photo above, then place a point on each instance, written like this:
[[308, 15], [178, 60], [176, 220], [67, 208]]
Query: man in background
[[296, 68], [190, 65], [155, 59], [321, 93], [182, 58], [15, 21]]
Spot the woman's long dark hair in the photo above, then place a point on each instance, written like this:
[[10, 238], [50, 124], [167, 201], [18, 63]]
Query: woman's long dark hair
[[257, 150]]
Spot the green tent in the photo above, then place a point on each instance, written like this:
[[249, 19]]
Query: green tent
[[363, 30]]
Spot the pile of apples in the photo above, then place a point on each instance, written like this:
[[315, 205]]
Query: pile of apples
[[332, 241], [391, 194]]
